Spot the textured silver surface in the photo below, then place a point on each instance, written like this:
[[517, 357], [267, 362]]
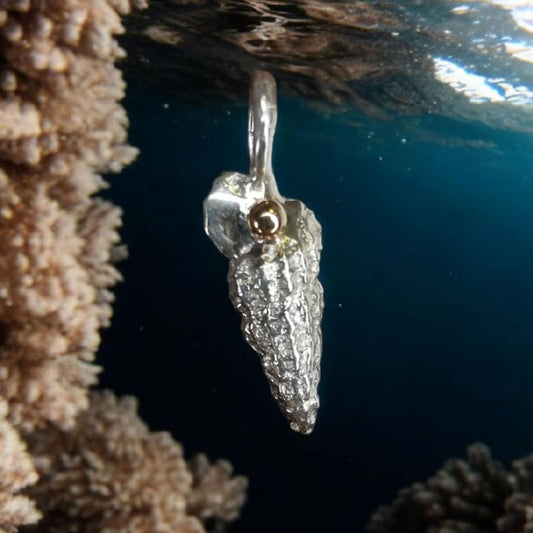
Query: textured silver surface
[[273, 284]]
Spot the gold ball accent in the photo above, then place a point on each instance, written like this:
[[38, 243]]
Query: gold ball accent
[[267, 219]]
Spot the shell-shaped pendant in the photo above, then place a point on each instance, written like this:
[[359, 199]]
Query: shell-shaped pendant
[[273, 245]]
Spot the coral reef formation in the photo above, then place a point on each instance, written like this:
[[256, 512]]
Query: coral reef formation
[[61, 126], [476, 495], [16, 472], [215, 496], [111, 474], [519, 506], [61, 123]]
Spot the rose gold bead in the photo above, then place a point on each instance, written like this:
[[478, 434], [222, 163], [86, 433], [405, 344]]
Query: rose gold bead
[[267, 219]]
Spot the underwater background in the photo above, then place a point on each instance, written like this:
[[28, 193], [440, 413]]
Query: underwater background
[[427, 272], [422, 180], [406, 126]]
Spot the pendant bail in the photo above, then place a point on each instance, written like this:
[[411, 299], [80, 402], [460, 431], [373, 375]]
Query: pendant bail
[[262, 118]]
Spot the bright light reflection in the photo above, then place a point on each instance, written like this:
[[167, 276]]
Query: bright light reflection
[[519, 50], [521, 11], [479, 89]]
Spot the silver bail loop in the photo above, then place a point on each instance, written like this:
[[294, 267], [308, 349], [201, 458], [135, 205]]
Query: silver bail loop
[[262, 118]]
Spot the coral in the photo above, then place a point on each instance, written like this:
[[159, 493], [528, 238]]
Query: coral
[[111, 474], [16, 472], [473, 496], [50, 309], [60, 125], [215, 496], [463, 497], [519, 506]]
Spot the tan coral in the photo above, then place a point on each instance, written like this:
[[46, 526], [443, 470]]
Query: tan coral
[[60, 124], [60, 56], [111, 474], [55, 274], [16, 472], [215, 495]]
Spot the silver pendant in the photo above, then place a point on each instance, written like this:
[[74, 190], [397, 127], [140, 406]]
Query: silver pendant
[[273, 245]]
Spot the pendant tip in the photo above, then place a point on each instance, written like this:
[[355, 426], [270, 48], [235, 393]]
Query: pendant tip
[[302, 430], [304, 424]]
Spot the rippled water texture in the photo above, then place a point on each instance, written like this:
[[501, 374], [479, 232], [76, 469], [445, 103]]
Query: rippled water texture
[[462, 59]]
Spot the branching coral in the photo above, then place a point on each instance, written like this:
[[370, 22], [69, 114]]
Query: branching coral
[[469, 491], [519, 506], [49, 309], [215, 495], [60, 124], [16, 472], [462, 497], [111, 474]]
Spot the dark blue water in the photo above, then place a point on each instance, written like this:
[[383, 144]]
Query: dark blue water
[[428, 276]]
